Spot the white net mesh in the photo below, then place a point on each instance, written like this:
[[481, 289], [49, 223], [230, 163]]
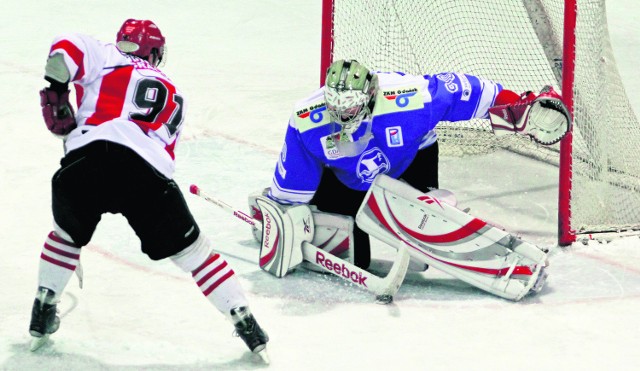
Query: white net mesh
[[517, 43]]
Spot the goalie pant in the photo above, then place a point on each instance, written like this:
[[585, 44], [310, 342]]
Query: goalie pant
[[451, 240]]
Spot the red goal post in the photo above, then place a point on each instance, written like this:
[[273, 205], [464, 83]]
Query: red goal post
[[524, 45]]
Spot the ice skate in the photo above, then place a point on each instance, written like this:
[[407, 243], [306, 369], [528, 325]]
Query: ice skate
[[44, 318], [250, 332]]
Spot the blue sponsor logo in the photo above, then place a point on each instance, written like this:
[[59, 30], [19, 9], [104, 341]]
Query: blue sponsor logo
[[400, 98], [371, 163], [316, 115]]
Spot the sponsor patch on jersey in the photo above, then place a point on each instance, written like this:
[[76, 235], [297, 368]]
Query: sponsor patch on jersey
[[371, 163], [405, 98], [394, 136], [329, 149], [311, 116]]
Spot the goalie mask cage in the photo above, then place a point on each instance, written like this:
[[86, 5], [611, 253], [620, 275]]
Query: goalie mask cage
[[524, 45]]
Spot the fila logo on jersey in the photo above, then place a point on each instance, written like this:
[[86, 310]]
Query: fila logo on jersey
[[371, 163], [394, 136], [429, 200], [314, 113], [401, 96]]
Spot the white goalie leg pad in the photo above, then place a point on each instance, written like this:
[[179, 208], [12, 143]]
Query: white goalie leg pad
[[333, 234], [450, 240], [284, 230]]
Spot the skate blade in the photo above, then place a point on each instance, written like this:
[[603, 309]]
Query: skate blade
[[37, 342], [264, 356], [540, 281]]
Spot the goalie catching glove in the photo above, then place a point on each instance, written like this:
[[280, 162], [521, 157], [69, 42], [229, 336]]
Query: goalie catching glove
[[544, 118]]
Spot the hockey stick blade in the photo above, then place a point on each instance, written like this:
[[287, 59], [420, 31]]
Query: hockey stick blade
[[383, 287]]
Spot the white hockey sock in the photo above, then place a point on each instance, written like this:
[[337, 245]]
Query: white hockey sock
[[218, 283], [58, 261], [212, 274]]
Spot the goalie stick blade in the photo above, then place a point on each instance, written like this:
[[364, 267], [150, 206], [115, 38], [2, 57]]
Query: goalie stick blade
[[381, 286], [397, 274], [384, 299]]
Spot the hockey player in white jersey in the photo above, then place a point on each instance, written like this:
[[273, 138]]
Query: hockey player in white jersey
[[364, 124], [119, 158]]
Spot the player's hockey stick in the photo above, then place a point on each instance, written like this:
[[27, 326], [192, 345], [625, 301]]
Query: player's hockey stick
[[383, 287]]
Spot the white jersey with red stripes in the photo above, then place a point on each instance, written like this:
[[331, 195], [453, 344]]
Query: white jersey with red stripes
[[122, 99]]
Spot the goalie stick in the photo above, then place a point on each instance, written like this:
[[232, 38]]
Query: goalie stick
[[383, 287]]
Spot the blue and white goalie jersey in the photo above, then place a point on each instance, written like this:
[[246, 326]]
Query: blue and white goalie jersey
[[406, 112]]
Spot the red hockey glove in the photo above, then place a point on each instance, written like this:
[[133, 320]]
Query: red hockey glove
[[544, 118], [57, 111]]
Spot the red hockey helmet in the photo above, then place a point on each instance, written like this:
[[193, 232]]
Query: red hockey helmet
[[141, 38]]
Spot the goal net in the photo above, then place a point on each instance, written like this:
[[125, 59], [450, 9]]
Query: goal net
[[520, 44]]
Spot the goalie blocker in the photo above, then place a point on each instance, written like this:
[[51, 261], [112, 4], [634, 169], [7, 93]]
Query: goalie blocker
[[451, 240]]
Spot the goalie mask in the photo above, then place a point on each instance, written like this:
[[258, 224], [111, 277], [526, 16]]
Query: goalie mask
[[143, 39], [349, 93]]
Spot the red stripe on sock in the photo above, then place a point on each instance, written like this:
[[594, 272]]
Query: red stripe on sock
[[218, 283], [211, 259], [61, 252], [57, 262], [210, 274], [61, 240]]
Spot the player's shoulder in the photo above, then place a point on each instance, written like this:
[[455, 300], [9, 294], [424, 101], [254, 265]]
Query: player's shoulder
[[310, 112], [80, 40], [400, 92], [391, 80], [78, 45]]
